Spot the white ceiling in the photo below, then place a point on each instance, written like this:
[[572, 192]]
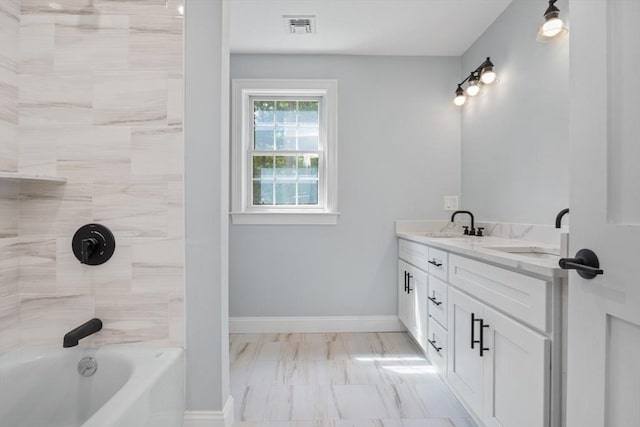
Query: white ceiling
[[363, 27]]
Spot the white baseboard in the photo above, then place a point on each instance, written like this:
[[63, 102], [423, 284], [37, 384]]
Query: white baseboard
[[222, 418], [244, 325]]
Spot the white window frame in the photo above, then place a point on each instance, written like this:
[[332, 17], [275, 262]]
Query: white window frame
[[243, 210]]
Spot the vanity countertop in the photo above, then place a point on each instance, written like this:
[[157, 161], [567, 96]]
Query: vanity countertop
[[487, 248]]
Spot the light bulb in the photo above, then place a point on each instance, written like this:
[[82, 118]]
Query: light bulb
[[473, 89], [552, 27], [460, 100], [488, 76]]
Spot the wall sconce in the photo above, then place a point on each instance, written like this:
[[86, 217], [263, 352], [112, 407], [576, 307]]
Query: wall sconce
[[553, 27], [481, 76]]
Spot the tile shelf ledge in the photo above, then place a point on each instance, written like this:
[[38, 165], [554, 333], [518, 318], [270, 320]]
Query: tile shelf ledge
[[19, 176]]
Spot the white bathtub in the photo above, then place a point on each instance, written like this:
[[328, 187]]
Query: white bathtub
[[133, 387]]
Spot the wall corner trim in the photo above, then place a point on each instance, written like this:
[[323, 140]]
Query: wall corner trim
[[319, 324], [223, 418]]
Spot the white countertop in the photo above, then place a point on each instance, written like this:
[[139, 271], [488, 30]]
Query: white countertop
[[480, 249]]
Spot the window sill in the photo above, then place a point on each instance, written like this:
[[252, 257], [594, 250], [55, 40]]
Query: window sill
[[285, 218]]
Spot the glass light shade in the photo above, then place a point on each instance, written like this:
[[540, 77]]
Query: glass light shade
[[473, 89], [488, 77], [460, 100], [552, 27]]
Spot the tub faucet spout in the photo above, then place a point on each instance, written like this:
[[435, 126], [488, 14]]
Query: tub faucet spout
[[72, 337]]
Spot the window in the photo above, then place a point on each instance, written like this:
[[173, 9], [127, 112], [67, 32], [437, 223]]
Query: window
[[284, 152]]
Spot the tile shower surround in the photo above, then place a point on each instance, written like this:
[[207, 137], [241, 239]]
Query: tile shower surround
[[94, 94]]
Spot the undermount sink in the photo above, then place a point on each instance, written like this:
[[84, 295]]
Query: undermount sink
[[552, 254]]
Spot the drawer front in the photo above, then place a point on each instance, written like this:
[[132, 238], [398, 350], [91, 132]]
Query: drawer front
[[414, 253], [521, 296], [437, 301], [437, 347], [438, 263]]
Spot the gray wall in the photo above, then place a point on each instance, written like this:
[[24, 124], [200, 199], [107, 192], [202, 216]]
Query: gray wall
[[206, 203], [399, 153], [515, 137]]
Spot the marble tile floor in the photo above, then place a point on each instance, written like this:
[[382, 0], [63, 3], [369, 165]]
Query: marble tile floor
[[338, 380]]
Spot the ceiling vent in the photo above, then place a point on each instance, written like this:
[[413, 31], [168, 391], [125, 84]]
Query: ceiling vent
[[301, 24]]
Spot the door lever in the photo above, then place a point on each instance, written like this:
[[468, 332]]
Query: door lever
[[585, 263]]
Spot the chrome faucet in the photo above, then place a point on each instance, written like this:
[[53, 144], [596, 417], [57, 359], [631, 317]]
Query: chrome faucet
[[467, 232]]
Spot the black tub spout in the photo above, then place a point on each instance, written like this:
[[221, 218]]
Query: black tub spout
[[71, 338]]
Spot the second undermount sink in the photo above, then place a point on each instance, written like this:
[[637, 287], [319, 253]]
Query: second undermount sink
[[552, 254]]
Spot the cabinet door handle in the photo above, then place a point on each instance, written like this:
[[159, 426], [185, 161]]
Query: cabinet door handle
[[405, 280], [433, 344], [434, 262], [409, 276], [435, 301], [473, 329], [482, 347]]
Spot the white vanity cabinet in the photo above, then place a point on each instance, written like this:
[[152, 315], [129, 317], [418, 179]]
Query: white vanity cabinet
[[493, 334]]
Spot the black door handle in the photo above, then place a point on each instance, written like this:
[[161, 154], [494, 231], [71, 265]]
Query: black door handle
[[473, 329], [481, 342], [434, 300], [405, 281], [433, 344], [434, 262], [585, 263]]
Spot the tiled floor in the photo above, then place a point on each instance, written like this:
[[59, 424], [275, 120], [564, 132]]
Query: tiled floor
[[338, 380]]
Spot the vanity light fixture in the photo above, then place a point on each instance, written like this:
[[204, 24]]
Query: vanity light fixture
[[553, 27], [482, 76]]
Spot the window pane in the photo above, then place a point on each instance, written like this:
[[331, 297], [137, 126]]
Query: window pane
[[263, 111], [263, 167], [308, 193], [308, 137], [308, 112], [263, 192], [286, 138], [308, 166], [263, 138], [286, 193], [286, 167], [286, 112]]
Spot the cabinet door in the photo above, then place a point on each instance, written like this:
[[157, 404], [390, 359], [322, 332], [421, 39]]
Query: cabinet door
[[418, 284], [517, 374], [405, 299], [465, 367]]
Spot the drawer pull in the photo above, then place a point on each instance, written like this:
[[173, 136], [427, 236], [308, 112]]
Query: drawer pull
[[435, 301], [433, 344], [436, 263]]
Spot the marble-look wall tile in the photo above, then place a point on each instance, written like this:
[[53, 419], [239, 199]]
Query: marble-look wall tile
[[175, 214], [136, 208], [130, 98], [140, 7], [51, 210], [176, 319], [133, 318], [37, 43], [113, 276], [9, 203], [175, 100], [155, 43], [157, 265], [37, 152], [97, 153], [91, 42], [56, 99], [37, 265], [9, 322], [157, 151], [9, 267], [8, 146], [45, 318], [71, 7]]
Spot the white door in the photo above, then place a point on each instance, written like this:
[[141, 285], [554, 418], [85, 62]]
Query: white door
[[464, 364], [516, 373], [603, 383]]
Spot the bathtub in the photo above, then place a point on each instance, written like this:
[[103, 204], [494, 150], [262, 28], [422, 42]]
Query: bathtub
[[132, 387]]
